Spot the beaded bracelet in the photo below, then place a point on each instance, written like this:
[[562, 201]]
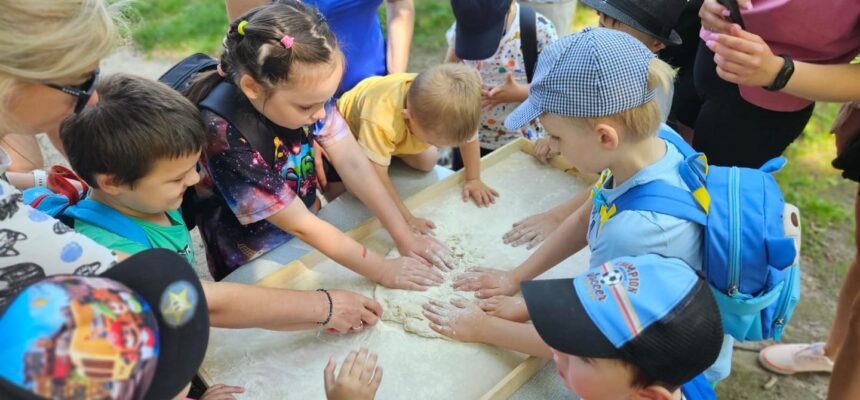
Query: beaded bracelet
[[330, 306]]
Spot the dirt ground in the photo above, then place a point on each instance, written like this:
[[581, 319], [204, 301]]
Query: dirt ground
[[748, 380]]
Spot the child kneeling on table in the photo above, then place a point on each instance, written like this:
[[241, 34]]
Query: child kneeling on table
[[409, 116]]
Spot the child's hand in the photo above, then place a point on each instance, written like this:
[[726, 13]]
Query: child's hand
[[544, 151], [461, 319], [222, 392], [488, 282], [532, 230], [480, 193], [408, 273], [510, 308], [421, 225], [351, 312], [507, 92], [358, 378], [429, 249]]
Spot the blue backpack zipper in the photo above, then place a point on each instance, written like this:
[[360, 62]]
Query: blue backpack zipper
[[735, 230], [779, 319]]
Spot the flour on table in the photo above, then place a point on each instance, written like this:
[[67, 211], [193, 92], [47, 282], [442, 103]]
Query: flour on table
[[405, 306]]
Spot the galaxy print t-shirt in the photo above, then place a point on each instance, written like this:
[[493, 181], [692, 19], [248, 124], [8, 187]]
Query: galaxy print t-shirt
[[238, 189]]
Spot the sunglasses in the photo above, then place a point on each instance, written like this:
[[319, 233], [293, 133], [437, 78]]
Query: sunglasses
[[83, 92]]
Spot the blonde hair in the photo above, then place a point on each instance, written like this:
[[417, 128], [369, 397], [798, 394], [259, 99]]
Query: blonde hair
[[446, 99], [44, 40], [643, 122]]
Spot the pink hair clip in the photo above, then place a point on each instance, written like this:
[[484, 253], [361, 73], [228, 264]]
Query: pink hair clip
[[287, 41], [220, 70]]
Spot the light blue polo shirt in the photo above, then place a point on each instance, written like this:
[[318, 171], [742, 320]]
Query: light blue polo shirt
[[635, 233]]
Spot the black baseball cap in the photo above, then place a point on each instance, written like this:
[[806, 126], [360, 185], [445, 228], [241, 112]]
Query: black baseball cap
[[138, 331], [170, 284], [657, 18], [480, 25], [653, 312]]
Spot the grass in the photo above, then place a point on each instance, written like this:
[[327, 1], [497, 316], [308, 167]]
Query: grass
[[178, 27]]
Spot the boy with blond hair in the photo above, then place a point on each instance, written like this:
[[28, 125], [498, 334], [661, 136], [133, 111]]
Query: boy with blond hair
[[410, 116], [596, 95]]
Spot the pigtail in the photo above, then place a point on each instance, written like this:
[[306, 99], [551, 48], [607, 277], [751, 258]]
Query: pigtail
[[265, 42]]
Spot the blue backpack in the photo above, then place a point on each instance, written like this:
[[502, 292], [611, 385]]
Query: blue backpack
[[752, 238], [67, 204]]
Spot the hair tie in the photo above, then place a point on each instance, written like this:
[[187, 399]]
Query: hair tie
[[241, 28], [287, 41], [220, 70]]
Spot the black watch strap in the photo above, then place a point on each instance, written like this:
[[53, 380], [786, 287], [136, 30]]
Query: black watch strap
[[784, 74]]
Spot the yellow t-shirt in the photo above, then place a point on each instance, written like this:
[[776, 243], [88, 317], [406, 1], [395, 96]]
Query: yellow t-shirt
[[374, 111]]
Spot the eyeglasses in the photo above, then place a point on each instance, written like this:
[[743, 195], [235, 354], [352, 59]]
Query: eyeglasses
[[83, 92]]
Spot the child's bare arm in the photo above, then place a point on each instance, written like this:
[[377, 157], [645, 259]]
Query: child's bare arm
[[533, 229], [374, 188], [473, 187], [464, 320], [566, 240], [420, 225], [402, 272]]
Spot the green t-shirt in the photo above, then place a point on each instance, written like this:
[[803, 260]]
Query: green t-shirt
[[175, 237]]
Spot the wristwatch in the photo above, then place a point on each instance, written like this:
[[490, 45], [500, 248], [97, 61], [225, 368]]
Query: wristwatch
[[783, 76]]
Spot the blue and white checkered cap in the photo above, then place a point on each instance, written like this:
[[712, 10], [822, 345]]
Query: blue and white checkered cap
[[594, 73]]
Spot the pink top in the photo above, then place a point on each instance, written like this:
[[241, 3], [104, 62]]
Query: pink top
[[814, 31]]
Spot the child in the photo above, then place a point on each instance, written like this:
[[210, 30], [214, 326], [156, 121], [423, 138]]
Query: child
[[595, 93], [409, 116], [634, 328], [652, 24], [137, 149], [486, 37], [281, 65]]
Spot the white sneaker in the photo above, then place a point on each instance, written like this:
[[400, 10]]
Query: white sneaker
[[789, 359]]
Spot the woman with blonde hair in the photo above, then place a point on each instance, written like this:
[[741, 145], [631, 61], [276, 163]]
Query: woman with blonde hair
[[49, 56]]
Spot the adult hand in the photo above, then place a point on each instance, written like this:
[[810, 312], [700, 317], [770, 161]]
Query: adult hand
[[358, 378], [429, 249], [532, 230], [421, 225], [222, 392], [408, 273], [488, 282], [714, 15], [744, 58], [351, 312], [479, 192], [543, 150], [508, 92], [511, 308], [461, 319]]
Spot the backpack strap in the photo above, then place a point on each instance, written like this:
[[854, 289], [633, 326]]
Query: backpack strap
[[113, 221], [528, 39], [698, 388], [180, 74], [659, 197], [227, 101]]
